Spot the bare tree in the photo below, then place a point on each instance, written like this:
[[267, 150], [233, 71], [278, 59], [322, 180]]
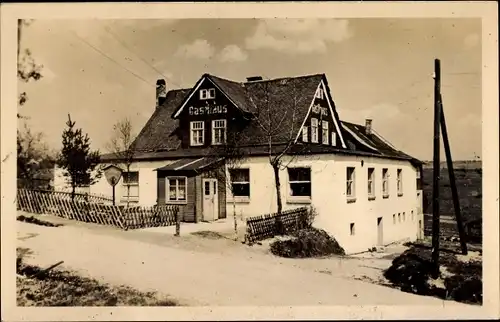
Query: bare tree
[[232, 156], [120, 145]]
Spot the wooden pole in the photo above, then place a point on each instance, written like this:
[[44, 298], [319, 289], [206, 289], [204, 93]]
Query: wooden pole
[[453, 185], [436, 169]]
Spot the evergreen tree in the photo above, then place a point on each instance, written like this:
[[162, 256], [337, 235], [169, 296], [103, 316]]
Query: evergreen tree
[[76, 158]]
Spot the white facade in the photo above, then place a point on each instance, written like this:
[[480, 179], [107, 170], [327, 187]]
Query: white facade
[[354, 222]]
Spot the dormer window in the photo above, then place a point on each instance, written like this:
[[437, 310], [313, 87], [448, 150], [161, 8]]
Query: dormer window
[[197, 133], [314, 130], [207, 93], [324, 134], [334, 138], [319, 93], [218, 132]]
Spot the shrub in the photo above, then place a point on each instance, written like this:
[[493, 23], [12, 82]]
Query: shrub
[[36, 221], [309, 242], [411, 272]]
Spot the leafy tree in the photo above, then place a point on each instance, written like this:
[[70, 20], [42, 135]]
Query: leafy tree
[[79, 163], [120, 145], [33, 156]]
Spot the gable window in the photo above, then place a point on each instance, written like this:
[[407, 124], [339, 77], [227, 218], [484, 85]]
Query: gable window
[[314, 130], [371, 183], [131, 185], [197, 133], [334, 138], [324, 130], [218, 131], [350, 184], [400, 182], [207, 93], [385, 182], [299, 180], [305, 137], [319, 93], [176, 189], [240, 182]]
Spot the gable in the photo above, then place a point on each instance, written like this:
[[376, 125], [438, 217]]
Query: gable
[[322, 110]]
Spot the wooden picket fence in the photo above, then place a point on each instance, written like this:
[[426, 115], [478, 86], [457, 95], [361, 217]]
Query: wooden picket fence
[[95, 209], [270, 225]]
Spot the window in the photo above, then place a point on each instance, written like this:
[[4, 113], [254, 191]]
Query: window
[[412, 216], [207, 93], [314, 130], [404, 216], [240, 182], [399, 217], [350, 183], [300, 182], [176, 189], [394, 219], [385, 182], [197, 133], [218, 131], [304, 134], [371, 183], [324, 130], [319, 93], [334, 138], [400, 182], [131, 185], [353, 229]]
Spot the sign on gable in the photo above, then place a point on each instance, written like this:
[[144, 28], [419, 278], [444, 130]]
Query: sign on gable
[[207, 110], [317, 109]]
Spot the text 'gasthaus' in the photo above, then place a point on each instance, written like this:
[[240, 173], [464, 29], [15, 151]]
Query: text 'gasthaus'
[[207, 110]]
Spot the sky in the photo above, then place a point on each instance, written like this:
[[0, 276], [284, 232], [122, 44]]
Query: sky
[[101, 71]]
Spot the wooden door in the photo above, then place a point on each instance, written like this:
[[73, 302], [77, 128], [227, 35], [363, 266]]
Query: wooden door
[[210, 200]]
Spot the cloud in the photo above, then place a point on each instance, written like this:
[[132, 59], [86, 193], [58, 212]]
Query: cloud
[[471, 40], [301, 36], [232, 53], [199, 49]]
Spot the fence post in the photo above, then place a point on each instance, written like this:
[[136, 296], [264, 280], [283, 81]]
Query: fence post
[[177, 222]]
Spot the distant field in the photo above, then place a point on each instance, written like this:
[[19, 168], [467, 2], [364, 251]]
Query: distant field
[[468, 177]]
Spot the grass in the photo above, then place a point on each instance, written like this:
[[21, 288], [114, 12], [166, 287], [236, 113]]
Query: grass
[[64, 288]]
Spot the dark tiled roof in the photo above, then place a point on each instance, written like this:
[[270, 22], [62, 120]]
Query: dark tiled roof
[[268, 101]]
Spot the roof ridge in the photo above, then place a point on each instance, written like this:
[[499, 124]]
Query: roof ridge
[[283, 78]]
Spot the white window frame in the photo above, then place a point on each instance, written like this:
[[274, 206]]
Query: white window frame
[[167, 190], [299, 199], [305, 134], [206, 94], [334, 139], [192, 130], [130, 184], [385, 183], [216, 128], [371, 183], [240, 198], [351, 197], [319, 93], [314, 130], [400, 181], [324, 132]]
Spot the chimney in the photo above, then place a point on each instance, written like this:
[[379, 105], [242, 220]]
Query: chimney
[[161, 92], [254, 79], [368, 126]]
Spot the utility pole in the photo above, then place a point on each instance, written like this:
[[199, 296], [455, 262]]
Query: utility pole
[[436, 169], [453, 185]]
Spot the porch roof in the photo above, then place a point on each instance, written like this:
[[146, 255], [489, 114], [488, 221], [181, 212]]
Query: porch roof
[[190, 164]]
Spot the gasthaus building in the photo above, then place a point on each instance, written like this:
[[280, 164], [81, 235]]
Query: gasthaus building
[[366, 192]]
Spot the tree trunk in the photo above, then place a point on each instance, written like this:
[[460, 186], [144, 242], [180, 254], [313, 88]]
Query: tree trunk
[[73, 190], [235, 220], [276, 170]]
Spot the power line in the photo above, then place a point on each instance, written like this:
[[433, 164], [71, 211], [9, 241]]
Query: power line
[[108, 30], [111, 59]]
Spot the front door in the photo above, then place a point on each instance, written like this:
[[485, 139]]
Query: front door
[[380, 232], [210, 200]]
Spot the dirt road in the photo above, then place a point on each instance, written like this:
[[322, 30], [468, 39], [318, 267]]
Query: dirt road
[[203, 278]]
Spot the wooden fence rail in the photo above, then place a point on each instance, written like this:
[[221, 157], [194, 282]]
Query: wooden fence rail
[[88, 208], [270, 225]]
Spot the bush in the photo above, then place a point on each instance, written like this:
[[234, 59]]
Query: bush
[[309, 242], [411, 272]]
